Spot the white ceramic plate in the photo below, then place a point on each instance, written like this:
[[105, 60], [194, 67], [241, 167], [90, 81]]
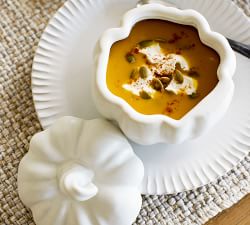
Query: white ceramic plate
[[63, 67]]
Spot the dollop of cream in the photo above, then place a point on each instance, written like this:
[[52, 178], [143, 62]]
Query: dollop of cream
[[163, 65], [188, 86], [141, 84]]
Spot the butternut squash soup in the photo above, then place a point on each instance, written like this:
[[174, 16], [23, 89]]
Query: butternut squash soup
[[162, 68]]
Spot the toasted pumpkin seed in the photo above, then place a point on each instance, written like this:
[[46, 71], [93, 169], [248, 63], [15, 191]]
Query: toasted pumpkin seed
[[161, 40], [193, 73], [194, 95], [143, 72], [165, 81], [130, 58], [178, 77], [133, 74], [144, 95], [178, 66], [156, 84], [146, 43], [170, 76]]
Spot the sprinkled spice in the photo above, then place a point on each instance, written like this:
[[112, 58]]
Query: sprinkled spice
[[136, 50], [169, 109], [174, 39], [187, 47], [171, 106]]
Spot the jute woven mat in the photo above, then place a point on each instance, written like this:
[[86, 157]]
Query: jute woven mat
[[21, 25]]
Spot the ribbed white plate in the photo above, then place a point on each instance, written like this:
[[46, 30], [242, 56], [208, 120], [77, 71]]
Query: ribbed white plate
[[63, 67]]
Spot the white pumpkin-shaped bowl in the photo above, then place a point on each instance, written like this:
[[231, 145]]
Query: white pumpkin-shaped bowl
[[81, 173], [151, 129]]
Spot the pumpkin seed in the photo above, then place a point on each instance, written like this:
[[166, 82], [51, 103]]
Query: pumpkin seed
[[178, 77], [146, 43], [130, 58], [161, 40], [194, 95], [156, 84], [144, 95], [178, 66], [143, 72], [165, 81], [170, 76], [193, 73], [133, 74]]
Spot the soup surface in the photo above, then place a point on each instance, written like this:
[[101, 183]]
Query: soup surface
[[162, 68]]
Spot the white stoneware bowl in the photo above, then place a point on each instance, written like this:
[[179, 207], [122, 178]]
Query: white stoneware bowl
[[152, 129]]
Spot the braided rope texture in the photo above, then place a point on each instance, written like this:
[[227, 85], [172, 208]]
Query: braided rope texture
[[21, 25]]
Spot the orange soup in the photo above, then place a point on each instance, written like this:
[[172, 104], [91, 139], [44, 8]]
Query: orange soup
[[162, 68]]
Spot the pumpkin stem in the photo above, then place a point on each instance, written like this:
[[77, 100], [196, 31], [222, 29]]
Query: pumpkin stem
[[75, 181]]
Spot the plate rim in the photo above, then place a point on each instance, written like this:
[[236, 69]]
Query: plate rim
[[145, 190]]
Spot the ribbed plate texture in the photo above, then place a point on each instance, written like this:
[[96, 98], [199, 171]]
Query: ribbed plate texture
[[62, 72]]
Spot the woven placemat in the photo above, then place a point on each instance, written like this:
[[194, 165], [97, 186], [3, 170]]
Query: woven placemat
[[21, 25]]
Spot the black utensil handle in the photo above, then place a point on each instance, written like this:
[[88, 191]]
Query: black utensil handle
[[240, 47]]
